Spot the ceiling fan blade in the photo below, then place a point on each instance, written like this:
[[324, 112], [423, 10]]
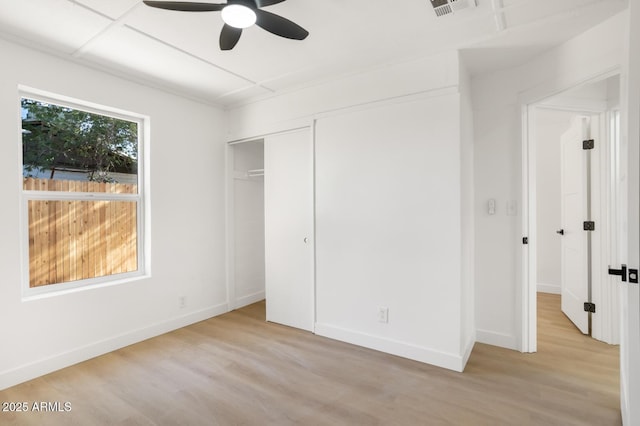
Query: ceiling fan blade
[[229, 37], [280, 26], [183, 6], [263, 3]]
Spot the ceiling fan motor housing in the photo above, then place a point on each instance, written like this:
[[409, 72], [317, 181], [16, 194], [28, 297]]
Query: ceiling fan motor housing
[[251, 4]]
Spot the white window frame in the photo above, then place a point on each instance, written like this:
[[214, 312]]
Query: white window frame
[[29, 293]]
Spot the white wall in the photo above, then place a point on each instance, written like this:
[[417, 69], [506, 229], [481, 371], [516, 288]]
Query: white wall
[[497, 100], [388, 227], [467, 202], [613, 93], [390, 230], [298, 108], [186, 225]]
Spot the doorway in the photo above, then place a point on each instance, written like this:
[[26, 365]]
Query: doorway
[[270, 223], [246, 222], [555, 263]]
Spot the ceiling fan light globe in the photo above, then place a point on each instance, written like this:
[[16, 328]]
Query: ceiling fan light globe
[[238, 16]]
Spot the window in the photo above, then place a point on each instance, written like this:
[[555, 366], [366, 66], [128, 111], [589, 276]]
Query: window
[[82, 195]]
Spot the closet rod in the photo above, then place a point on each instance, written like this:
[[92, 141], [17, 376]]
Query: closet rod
[[255, 172]]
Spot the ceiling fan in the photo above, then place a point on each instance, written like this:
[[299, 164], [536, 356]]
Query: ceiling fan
[[237, 15]]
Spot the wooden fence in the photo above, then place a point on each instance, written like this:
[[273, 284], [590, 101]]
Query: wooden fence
[[72, 240]]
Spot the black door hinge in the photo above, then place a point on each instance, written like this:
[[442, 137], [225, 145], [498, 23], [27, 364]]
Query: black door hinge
[[589, 225], [525, 240], [622, 272], [588, 144], [590, 307]]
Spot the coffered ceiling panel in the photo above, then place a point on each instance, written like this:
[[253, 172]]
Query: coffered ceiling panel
[[523, 12], [111, 8], [127, 49], [60, 24]]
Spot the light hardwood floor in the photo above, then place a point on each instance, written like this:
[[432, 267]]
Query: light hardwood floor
[[237, 369]]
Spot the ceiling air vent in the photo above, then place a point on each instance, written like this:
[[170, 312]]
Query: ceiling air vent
[[447, 7]]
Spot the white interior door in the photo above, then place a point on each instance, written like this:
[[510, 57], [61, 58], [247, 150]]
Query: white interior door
[[289, 245], [629, 180], [573, 246]]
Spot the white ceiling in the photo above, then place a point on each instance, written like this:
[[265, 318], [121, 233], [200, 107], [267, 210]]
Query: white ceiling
[[179, 51]]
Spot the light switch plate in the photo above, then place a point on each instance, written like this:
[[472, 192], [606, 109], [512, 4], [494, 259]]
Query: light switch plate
[[491, 206]]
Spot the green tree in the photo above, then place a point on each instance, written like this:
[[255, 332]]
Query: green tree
[[55, 136]]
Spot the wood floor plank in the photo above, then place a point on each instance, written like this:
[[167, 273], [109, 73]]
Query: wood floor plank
[[236, 369]]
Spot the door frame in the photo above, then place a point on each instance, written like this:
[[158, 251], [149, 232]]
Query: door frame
[[528, 104], [230, 237], [232, 300]]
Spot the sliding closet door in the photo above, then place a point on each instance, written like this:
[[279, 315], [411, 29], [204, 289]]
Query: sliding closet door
[[289, 257]]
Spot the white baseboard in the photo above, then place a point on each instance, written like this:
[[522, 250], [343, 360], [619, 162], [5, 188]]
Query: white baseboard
[[467, 352], [44, 366], [449, 361], [549, 288], [502, 340], [249, 299]]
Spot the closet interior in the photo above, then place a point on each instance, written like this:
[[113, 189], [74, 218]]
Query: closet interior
[[248, 260]]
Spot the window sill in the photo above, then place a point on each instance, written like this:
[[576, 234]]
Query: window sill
[[53, 290]]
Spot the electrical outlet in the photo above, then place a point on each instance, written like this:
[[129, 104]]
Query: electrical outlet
[[383, 315], [182, 302]]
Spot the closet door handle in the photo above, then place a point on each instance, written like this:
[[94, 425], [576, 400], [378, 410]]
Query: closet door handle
[[561, 232], [306, 240]]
